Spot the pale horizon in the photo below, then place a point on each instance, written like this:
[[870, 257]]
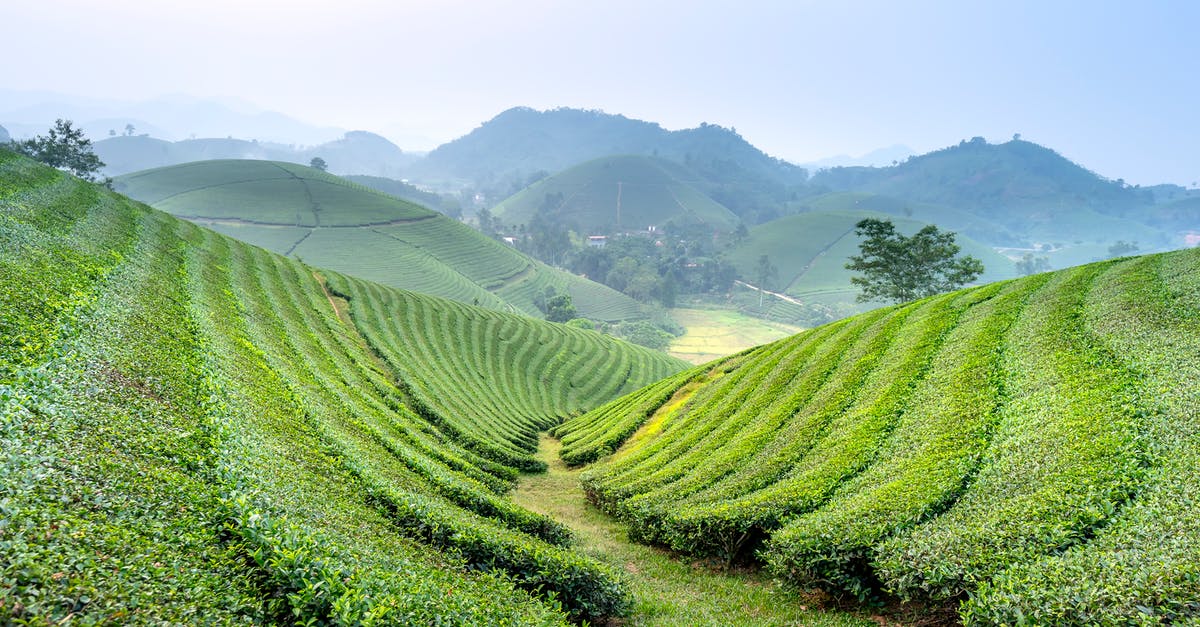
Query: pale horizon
[[1106, 85]]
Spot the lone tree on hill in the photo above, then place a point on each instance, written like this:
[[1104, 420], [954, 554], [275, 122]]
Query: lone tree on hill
[[318, 163], [65, 148], [899, 269], [560, 308]]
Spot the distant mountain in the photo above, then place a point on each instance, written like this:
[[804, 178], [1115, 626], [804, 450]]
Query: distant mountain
[[4, 136], [878, 157], [1030, 189], [515, 146], [361, 152], [28, 113], [615, 194], [357, 152]]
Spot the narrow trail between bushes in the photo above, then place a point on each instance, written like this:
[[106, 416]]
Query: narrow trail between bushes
[[667, 590]]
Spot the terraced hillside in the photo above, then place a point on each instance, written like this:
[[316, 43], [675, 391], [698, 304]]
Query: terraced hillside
[[811, 249], [1029, 448], [190, 431], [330, 222], [615, 194]]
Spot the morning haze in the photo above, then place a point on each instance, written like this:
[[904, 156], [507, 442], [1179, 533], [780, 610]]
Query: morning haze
[[616, 313]]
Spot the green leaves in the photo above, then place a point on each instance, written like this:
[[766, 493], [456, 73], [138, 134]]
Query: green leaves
[[900, 269]]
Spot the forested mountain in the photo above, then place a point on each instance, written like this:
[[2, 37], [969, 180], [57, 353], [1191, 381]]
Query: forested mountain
[[522, 144], [1030, 189]]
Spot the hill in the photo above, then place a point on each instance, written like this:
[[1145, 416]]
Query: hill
[[1024, 451], [1029, 189], [330, 222], [357, 152], [616, 194], [810, 251], [521, 142], [196, 427]]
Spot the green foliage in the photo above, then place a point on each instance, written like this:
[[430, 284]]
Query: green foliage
[[191, 432], [63, 147], [900, 269], [560, 308], [643, 333], [1026, 446]]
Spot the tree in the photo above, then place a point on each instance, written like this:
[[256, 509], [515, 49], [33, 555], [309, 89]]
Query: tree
[[899, 269], [129, 129], [1032, 265], [765, 272], [63, 147], [318, 163], [560, 308]]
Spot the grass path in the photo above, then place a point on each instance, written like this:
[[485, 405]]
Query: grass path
[[667, 591]]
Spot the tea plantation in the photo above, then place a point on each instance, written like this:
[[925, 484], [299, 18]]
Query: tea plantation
[[1027, 451], [334, 223], [195, 430], [191, 432]]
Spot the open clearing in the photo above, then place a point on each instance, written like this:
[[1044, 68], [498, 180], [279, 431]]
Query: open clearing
[[713, 333]]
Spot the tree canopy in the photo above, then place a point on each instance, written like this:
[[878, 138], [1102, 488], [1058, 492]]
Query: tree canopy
[[899, 269], [63, 147]]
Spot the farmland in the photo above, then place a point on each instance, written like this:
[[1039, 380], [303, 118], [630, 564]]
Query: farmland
[[330, 222], [196, 429], [1027, 448], [713, 333], [193, 432]]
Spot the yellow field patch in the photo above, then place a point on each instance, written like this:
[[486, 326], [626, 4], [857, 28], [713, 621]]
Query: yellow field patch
[[713, 333]]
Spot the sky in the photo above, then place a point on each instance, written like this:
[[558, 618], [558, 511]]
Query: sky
[[1111, 85]]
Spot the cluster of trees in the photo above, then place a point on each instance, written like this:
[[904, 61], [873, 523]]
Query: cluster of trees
[[651, 268]]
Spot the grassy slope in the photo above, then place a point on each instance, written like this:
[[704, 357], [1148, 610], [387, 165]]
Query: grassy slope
[[810, 251], [190, 429], [331, 222], [1028, 443], [649, 196]]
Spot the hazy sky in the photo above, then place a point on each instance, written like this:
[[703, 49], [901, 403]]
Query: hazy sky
[[1112, 85]]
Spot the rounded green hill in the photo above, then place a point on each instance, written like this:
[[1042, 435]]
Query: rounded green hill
[[617, 194], [331, 222]]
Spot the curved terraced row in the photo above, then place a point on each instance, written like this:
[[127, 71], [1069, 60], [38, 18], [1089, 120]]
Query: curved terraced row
[[491, 379], [1029, 444], [189, 430]]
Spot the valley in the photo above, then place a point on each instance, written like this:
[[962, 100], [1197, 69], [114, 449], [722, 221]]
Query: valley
[[275, 395]]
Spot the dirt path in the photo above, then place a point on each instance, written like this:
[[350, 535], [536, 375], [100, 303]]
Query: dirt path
[[667, 591]]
